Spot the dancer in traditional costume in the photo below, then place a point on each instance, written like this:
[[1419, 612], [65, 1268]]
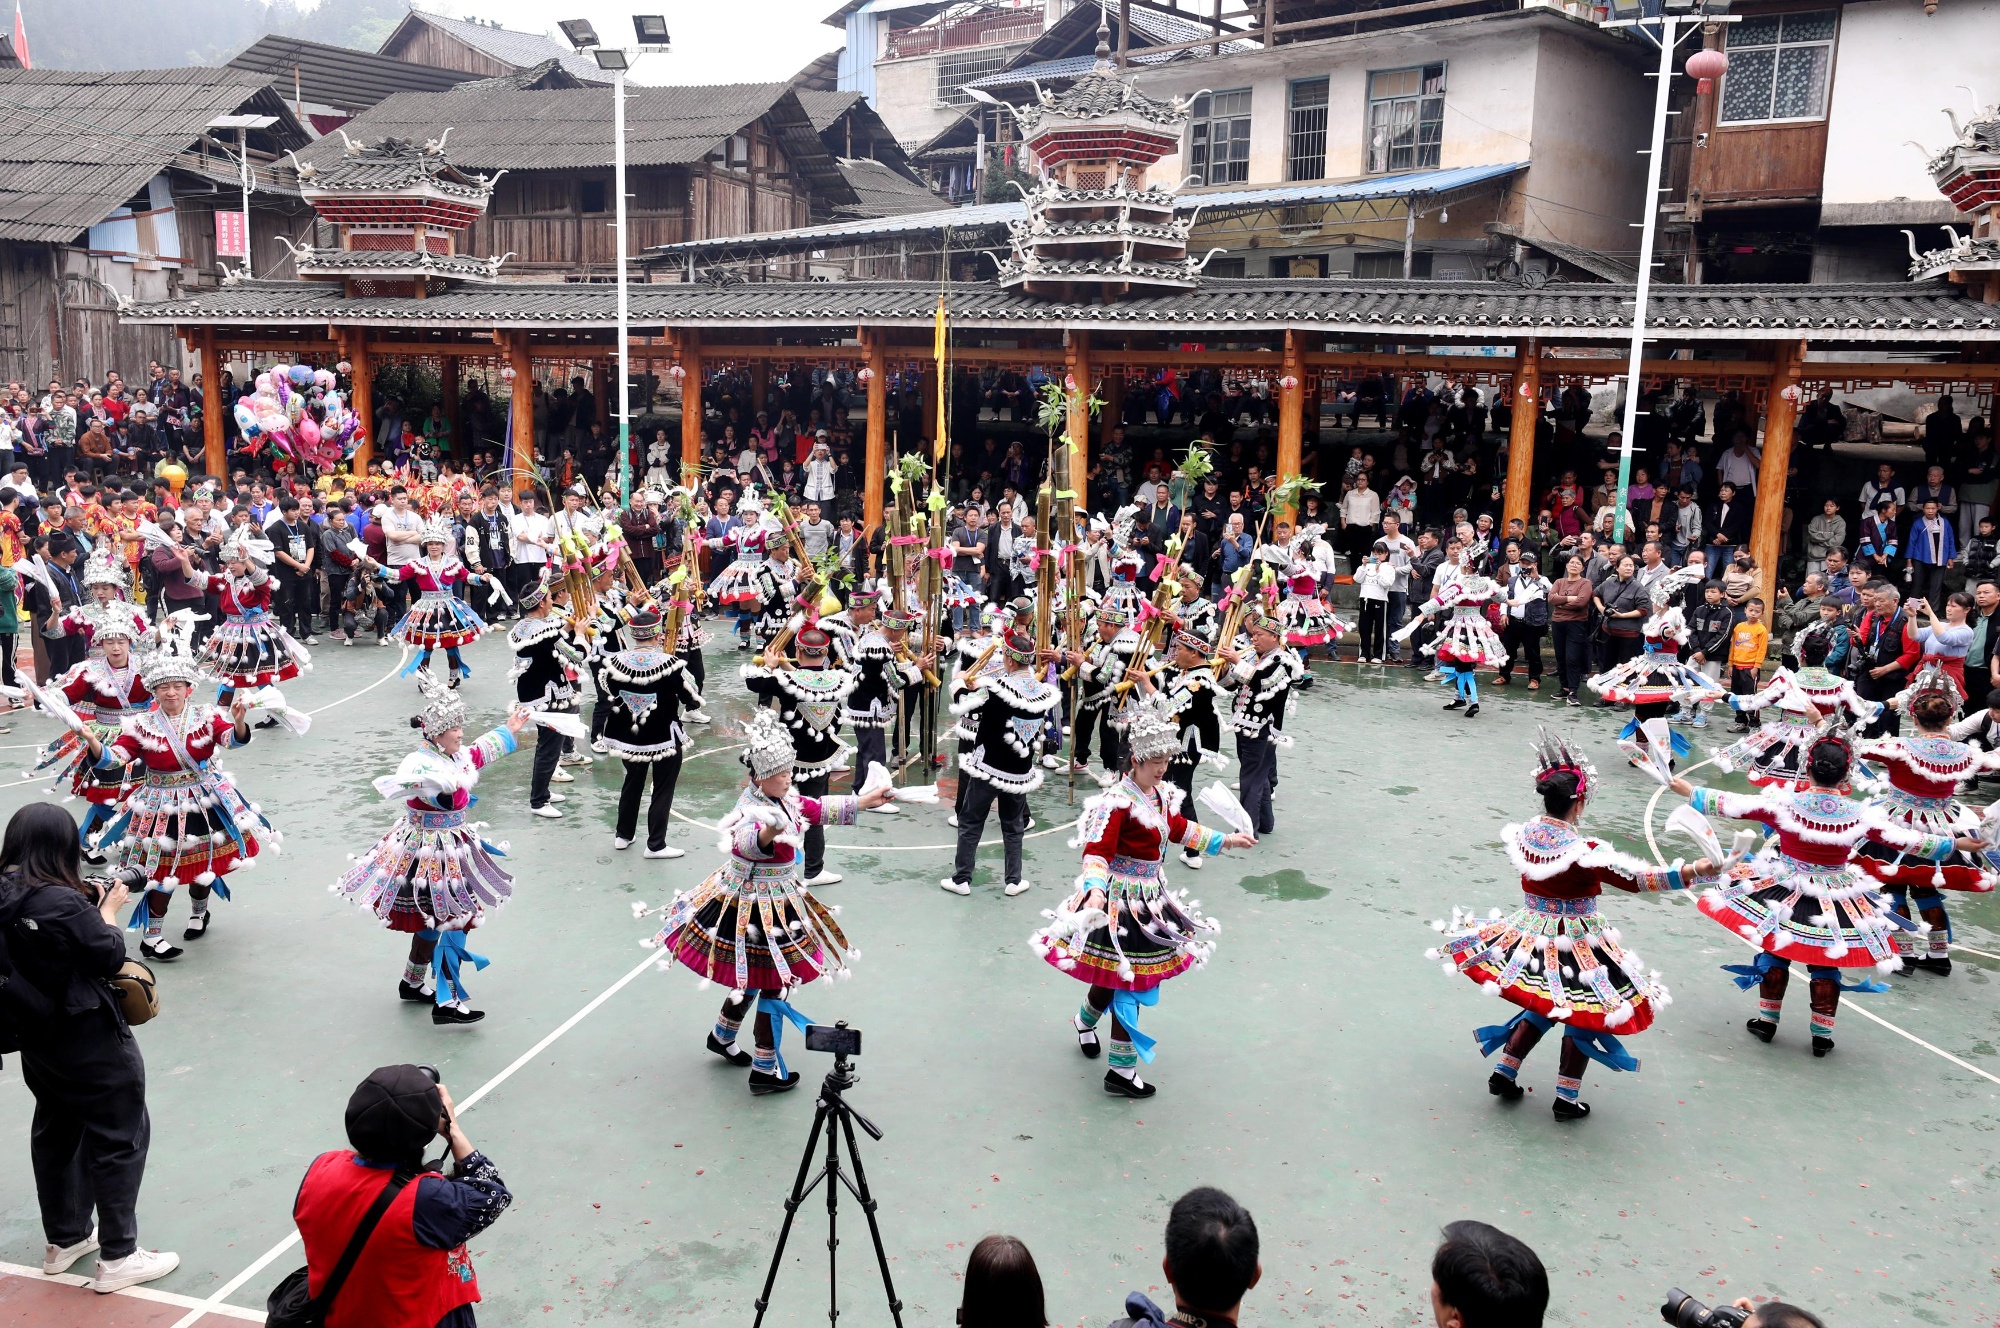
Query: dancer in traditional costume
[[1655, 679], [885, 675], [1802, 898], [183, 821], [1100, 667], [753, 925], [1189, 690], [547, 662], [1923, 772], [1262, 679], [1467, 640], [105, 585], [647, 690], [1554, 956], [1124, 931], [809, 695], [251, 648], [1793, 707], [1193, 611], [103, 691], [433, 874], [736, 590], [1007, 707], [439, 620]]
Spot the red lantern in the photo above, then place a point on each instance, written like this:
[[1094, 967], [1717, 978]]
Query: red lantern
[[1707, 66]]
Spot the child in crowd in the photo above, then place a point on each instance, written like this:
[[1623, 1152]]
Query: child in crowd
[[1748, 644]]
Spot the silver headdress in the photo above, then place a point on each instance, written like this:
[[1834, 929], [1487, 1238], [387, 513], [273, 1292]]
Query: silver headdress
[[1932, 680], [437, 530], [1554, 755], [174, 658], [767, 747], [104, 569], [443, 710], [243, 545], [1150, 730], [120, 618], [1672, 584]]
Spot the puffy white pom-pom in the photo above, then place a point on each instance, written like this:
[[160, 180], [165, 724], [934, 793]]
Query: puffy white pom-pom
[[170, 882], [205, 878], [1493, 915], [1450, 969], [1888, 965], [649, 943], [1490, 987], [1433, 953], [1838, 950]]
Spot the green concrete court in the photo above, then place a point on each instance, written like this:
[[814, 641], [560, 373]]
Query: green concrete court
[[1320, 1069]]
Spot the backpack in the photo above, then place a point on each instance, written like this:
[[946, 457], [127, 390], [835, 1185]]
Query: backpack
[[1535, 613], [21, 1002]]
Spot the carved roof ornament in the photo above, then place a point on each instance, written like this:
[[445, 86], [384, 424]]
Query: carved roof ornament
[[1968, 173]]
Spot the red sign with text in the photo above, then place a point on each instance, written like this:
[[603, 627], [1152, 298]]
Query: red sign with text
[[230, 235]]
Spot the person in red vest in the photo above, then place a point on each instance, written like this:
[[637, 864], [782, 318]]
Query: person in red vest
[[414, 1271]]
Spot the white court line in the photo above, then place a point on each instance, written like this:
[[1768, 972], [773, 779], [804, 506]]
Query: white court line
[[402, 658], [136, 1292], [222, 1293], [1855, 1006]]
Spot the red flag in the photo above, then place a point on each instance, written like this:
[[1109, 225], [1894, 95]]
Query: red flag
[[21, 38]]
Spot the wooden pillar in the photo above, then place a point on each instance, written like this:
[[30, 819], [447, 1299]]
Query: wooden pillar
[[691, 380], [1527, 390], [1291, 413], [361, 374], [215, 456], [1077, 362], [1767, 520], [523, 402], [876, 464], [448, 382]]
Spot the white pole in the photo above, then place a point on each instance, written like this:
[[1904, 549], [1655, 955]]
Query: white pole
[[624, 335], [243, 174], [1647, 227]]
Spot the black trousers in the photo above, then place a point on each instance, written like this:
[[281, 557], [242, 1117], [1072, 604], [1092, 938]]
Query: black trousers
[[871, 747], [1374, 627], [479, 595], [293, 599], [1092, 721], [1257, 779], [974, 806], [1519, 638], [815, 842], [65, 653], [1572, 653], [548, 755], [90, 1133], [666, 773], [696, 668]]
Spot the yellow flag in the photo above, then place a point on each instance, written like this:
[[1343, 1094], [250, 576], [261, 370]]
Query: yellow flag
[[943, 383]]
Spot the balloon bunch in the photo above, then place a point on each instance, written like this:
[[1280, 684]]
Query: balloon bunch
[[297, 411]]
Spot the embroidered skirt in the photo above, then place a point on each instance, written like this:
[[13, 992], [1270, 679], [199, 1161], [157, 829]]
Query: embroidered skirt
[[1468, 639], [1774, 756], [1309, 622], [68, 761], [1655, 677], [1558, 959], [753, 926], [1132, 933], [254, 650], [186, 826], [735, 589], [439, 620], [431, 872], [1806, 912], [1925, 816]]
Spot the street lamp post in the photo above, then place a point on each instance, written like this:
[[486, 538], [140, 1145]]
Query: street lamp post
[[243, 124], [651, 30]]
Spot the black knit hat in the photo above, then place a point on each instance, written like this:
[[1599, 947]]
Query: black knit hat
[[393, 1114]]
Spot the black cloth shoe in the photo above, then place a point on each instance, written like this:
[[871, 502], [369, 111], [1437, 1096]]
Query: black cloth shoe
[[728, 1053], [1762, 1029], [761, 1083], [196, 928], [1457, 704], [451, 1014], [1472, 711], [1087, 1042], [1940, 965], [1568, 1110], [1118, 1085], [1821, 1045], [1500, 1086], [158, 947], [405, 991]]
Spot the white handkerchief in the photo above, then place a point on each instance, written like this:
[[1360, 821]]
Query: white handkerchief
[[570, 726], [1218, 799], [1696, 827]]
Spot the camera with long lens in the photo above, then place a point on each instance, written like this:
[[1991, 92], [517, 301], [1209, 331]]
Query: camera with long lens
[[132, 878], [1684, 1311]]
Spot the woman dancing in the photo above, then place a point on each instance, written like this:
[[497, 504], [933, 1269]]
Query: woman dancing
[[439, 620], [1124, 931], [752, 924], [433, 875], [1652, 681], [1554, 956], [1802, 898], [251, 648], [1467, 640], [1794, 706]]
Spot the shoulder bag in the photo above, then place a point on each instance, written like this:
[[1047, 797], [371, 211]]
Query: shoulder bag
[[291, 1305]]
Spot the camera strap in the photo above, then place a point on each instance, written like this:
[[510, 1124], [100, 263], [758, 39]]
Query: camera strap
[[352, 1254]]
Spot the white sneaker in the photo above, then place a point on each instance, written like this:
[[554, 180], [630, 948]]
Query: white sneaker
[[887, 809], [597, 745], [579, 758], [136, 1267], [698, 717], [667, 851], [952, 820], [58, 1258], [382, 641], [825, 878], [1051, 763], [546, 812], [348, 642], [1192, 861], [956, 887], [1019, 888], [561, 776], [558, 797], [1029, 826], [616, 842], [312, 640]]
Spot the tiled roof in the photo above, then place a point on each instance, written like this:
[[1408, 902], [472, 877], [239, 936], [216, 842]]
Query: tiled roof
[[75, 144], [402, 262], [1098, 95], [393, 164], [883, 192], [340, 76], [1419, 310], [823, 108], [519, 49]]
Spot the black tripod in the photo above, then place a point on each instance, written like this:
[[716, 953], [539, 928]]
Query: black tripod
[[833, 1108]]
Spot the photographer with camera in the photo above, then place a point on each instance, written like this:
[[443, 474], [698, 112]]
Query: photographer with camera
[[411, 1268], [60, 946], [1684, 1311]]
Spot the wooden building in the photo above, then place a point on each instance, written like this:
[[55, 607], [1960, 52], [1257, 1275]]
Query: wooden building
[[481, 48], [329, 85]]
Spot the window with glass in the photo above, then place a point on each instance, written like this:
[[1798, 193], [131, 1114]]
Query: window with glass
[[1405, 119], [1219, 137], [1305, 145], [1779, 67]]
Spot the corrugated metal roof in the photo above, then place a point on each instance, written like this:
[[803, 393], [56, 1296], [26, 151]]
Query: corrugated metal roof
[[882, 192], [75, 144], [522, 50], [1410, 184], [1906, 312], [848, 232], [339, 75], [823, 108]]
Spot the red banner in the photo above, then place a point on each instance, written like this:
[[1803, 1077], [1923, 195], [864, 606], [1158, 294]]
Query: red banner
[[230, 235]]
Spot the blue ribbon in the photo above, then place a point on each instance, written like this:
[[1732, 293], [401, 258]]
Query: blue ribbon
[[446, 961], [1749, 975], [1865, 987], [1494, 1036], [781, 1013], [1603, 1048], [1125, 1008]]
